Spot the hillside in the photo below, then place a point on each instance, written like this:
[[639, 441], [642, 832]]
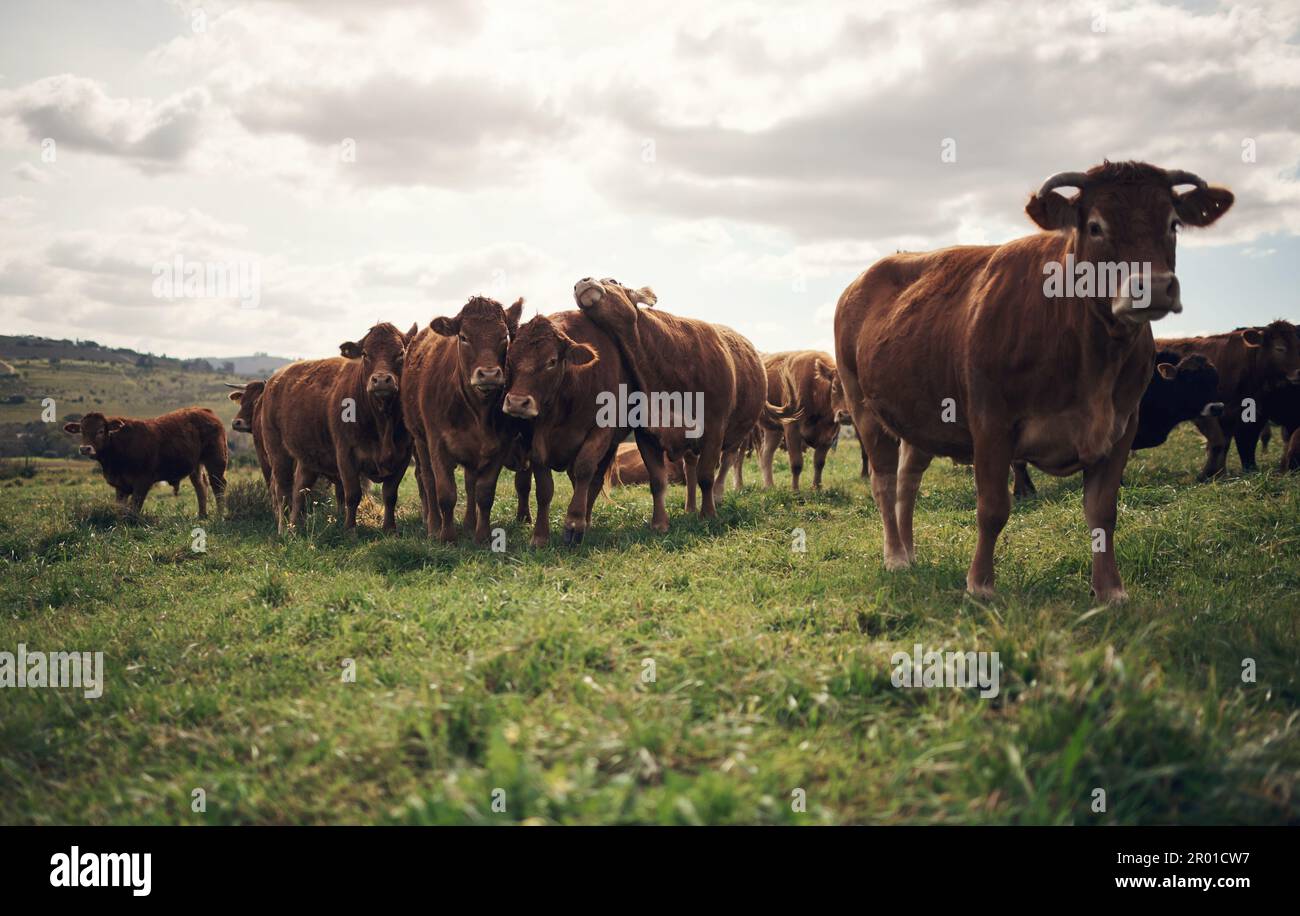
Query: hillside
[[79, 386]]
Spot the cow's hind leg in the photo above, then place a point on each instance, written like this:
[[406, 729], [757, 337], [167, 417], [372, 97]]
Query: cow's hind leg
[[523, 487], [1246, 436], [1024, 486], [767, 451], [993, 500], [215, 465], [819, 464], [882, 450], [545, 490], [692, 467], [196, 478], [391, 486], [1216, 447], [653, 458], [911, 468]]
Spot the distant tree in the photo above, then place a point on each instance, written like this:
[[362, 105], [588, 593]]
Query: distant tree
[[228, 367]]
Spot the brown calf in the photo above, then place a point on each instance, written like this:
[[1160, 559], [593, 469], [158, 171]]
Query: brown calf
[[628, 469], [560, 367], [1251, 362], [452, 404], [341, 419], [967, 352], [668, 356], [806, 381], [135, 454], [249, 418]]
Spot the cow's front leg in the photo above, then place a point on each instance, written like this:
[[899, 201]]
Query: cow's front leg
[[545, 490], [485, 494], [350, 479], [794, 448], [523, 486], [470, 524], [993, 501], [819, 464], [1101, 482], [391, 486], [653, 457]]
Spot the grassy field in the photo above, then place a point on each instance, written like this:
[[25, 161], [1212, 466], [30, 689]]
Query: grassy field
[[523, 677]]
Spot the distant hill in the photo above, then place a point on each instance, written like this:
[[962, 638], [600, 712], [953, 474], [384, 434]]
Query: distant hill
[[82, 376], [259, 365]]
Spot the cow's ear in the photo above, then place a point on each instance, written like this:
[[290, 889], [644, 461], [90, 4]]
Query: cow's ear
[[1202, 206], [1252, 337], [513, 314], [1053, 211], [447, 327], [72, 429], [236, 396], [113, 426], [581, 354], [1167, 371], [350, 348], [824, 370], [410, 335]]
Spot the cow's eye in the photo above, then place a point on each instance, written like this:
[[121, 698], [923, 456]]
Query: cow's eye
[[463, 338], [1175, 224], [550, 363], [1094, 229]]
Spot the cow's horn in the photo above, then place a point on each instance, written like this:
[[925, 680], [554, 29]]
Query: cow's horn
[[236, 387], [1178, 176], [1064, 180]]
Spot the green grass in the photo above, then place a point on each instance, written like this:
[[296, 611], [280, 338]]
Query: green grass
[[524, 671]]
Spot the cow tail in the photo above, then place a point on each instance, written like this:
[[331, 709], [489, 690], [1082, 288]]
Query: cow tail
[[777, 414]]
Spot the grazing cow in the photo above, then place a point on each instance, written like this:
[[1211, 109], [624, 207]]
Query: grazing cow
[[970, 352], [452, 404], [1280, 404], [135, 454], [249, 418], [628, 469], [1250, 361], [806, 381], [559, 368], [1182, 388], [339, 418], [702, 365]]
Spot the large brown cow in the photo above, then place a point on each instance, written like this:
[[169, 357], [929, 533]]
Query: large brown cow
[[699, 364], [806, 381], [559, 367], [339, 418], [249, 398], [751, 389], [1251, 362], [134, 454], [968, 352], [452, 403]]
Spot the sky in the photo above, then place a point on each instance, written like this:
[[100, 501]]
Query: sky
[[746, 159]]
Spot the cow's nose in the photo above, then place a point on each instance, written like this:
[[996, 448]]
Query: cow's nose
[[1213, 409], [520, 405], [487, 377], [87, 450], [240, 425], [1165, 292], [383, 381], [841, 417]]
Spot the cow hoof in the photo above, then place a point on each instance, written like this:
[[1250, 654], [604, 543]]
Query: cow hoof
[[895, 562], [1111, 595], [539, 540], [983, 592], [573, 537]]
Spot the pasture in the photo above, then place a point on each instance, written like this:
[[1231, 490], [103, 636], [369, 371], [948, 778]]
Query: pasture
[[527, 671]]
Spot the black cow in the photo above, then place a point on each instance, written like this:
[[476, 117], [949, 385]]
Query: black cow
[[1182, 388]]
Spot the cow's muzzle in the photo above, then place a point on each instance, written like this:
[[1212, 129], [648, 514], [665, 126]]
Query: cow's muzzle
[[523, 406], [842, 417], [88, 451], [240, 425], [1213, 409], [487, 379], [1148, 300], [587, 292], [383, 385]]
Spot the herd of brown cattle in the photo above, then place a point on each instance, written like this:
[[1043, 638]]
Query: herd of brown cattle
[[959, 353]]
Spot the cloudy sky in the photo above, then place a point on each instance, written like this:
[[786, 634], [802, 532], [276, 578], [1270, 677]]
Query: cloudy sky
[[746, 159]]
